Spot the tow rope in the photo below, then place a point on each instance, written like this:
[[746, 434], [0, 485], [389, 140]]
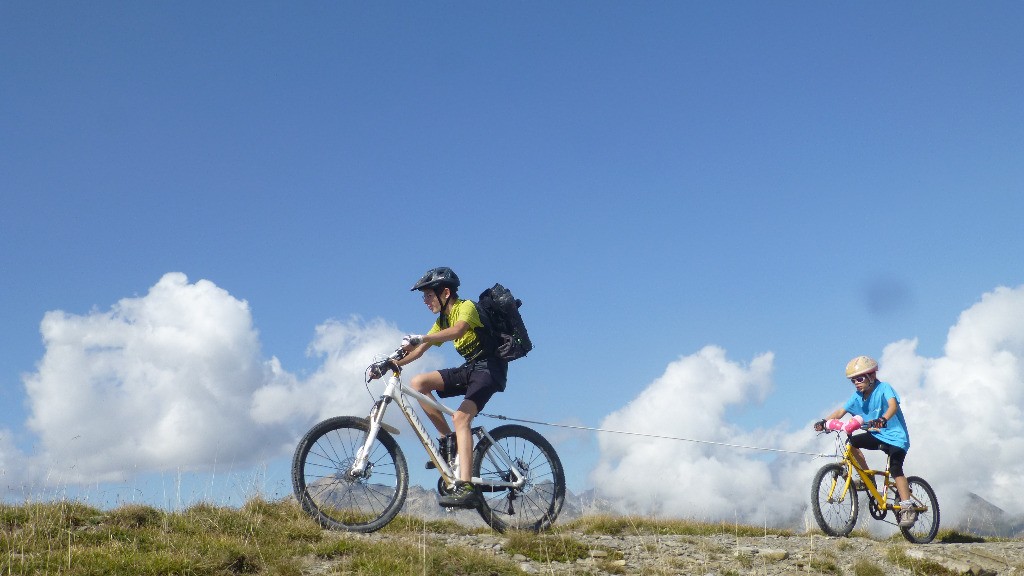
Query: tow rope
[[657, 436]]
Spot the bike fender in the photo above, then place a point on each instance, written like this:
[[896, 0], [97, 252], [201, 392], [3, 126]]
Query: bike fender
[[387, 427]]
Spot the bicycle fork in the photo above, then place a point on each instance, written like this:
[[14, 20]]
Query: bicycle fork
[[361, 466]]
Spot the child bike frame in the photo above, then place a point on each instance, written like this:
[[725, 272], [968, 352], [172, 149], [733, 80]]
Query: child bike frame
[[836, 506], [349, 473]]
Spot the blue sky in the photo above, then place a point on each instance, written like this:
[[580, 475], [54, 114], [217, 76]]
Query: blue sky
[[809, 180]]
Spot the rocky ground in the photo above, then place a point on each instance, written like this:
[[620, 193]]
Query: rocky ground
[[724, 554]]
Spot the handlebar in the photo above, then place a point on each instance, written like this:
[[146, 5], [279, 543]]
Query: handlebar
[[380, 368], [864, 426]]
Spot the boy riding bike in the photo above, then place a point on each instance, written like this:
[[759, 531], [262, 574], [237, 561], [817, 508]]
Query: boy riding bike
[[876, 403], [477, 379]]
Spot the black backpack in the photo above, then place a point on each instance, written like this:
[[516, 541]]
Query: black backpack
[[499, 313]]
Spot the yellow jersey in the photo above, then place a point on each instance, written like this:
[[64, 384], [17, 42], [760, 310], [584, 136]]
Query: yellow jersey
[[469, 344]]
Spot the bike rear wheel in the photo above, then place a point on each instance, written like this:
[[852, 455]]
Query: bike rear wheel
[[327, 490], [835, 512], [927, 505], [533, 507]]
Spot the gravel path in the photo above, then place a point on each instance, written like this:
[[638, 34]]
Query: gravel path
[[724, 554]]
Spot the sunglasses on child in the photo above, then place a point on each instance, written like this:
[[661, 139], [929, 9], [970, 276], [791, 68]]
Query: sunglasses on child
[[859, 379]]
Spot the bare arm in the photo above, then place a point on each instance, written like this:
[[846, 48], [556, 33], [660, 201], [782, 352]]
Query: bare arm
[[412, 353], [891, 412], [839, 413], [836, 415], [453, 332]]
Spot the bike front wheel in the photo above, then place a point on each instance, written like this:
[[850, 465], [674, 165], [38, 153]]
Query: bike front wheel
[[835, 512], [535, 505], [327, 489], [927, 505]]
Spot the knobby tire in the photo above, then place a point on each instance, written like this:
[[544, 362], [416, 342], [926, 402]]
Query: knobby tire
[[835, 517], [533, 507], [326, 490], [927, 526]]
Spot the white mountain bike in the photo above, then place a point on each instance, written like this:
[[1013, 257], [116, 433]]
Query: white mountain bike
[[349, 473]]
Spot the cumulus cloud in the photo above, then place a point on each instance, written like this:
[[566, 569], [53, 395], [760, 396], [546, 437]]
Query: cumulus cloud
[[158, 382], [175, 380], [13, 464], [963, 410], [345, 348], [701, 480]]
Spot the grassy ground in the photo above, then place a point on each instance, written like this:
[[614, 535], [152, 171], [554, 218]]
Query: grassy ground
[[68, 538], [262, 537]]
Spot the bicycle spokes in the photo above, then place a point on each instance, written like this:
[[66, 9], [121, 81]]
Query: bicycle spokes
[[337, 491], [349, 473], [526, 482], [833, 502]]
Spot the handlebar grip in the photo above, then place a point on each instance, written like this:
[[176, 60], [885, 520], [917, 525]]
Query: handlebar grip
[[380, 368], [853, 424], [377, 369], [834, 425]]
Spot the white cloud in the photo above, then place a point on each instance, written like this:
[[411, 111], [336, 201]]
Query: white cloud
[[696, 479], [963, 411], [175, 381], [346, 349], [13, 465], [159, 382]]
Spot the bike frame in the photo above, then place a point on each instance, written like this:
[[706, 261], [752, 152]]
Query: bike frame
[[398, 393], [867, 475]]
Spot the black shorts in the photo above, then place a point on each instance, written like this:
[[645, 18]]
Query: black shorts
[[896, 455], [477, 381]]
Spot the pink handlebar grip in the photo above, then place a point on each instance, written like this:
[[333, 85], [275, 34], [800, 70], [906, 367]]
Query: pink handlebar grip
[[849, 427], [853, 425]]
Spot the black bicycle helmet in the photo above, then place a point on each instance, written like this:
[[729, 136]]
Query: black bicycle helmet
[[438, 278]]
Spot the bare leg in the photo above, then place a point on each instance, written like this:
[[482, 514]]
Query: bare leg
[[859, 457], [427, 384], [464, 436], [903, 487]]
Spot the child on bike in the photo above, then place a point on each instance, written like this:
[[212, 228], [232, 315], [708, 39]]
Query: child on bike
[[876, 403], [477, 379]]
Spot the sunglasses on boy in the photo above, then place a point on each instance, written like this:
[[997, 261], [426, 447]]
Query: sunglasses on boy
[[859, 379]]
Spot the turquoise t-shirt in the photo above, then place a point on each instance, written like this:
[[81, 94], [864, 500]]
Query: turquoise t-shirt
[[895, 431]]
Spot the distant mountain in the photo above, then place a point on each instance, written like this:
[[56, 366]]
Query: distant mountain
[[983, 518], [422, 503]]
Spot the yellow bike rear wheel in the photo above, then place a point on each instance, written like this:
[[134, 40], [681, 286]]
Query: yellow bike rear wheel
[[927, 505]]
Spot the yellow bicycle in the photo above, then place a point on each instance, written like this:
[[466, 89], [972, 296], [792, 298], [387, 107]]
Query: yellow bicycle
[[836, 505]]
